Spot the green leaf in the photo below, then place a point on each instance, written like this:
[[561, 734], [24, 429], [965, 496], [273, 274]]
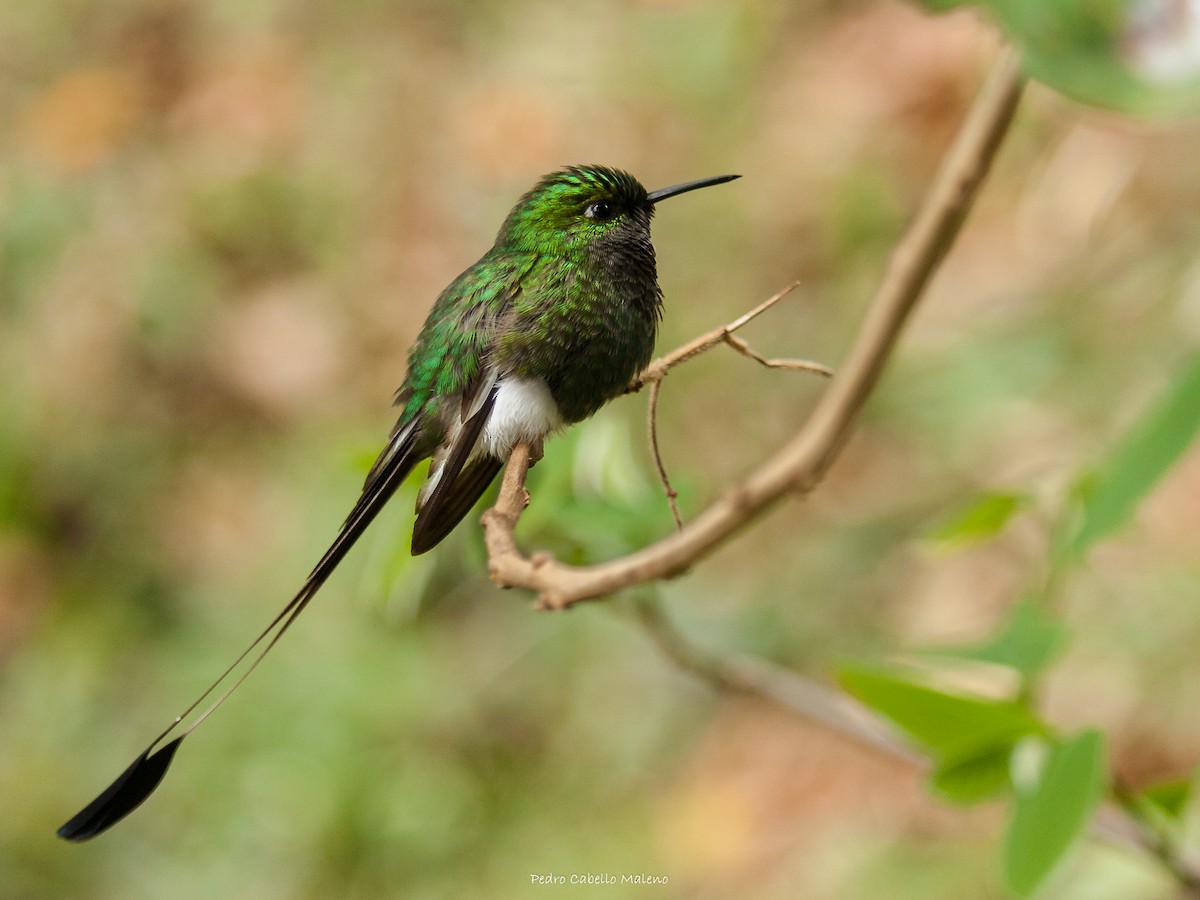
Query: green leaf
[[1145, 455], [1169, 797], [983, 518], [1028, 641], [976, 778], [1089, 49], [952, 726], [1051, 815], [1100, 52]]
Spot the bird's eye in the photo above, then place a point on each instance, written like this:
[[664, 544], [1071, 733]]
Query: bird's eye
[[601, 211]]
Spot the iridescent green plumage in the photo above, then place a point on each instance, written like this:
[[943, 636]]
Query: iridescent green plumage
[[556, 284], [567, 299], [547, 327]]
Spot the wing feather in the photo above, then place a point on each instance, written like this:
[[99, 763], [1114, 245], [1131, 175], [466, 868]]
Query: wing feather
[[457, 485]]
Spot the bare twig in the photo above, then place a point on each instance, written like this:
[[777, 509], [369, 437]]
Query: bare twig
[[800, 465], [652, 432], [658, 369], [795, 365], [500, 521], [654, 374]]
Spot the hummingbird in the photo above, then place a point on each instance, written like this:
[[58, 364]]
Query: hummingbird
[[551, 323]]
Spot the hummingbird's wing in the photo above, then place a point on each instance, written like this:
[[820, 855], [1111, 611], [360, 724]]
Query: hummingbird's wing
[[138, 781], [453, 377], [461, 475], [458, 498]]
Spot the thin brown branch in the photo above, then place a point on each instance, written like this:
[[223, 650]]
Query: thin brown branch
[[654, 374], [500, 522], [795, 365], [656, 452], [800, 465], [658, 369]]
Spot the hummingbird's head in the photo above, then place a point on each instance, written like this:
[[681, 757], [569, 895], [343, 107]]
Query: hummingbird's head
[[582, 207], [575, 207]]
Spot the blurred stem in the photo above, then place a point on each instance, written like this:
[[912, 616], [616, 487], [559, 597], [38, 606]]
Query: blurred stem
[[808, 699], [1123, 820], [1157, 840], [1060, 528]]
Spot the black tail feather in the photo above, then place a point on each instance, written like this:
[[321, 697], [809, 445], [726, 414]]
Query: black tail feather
[[138, 781], [121, 797]]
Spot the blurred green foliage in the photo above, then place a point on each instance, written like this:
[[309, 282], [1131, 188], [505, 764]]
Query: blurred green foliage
[[1137, 56], [222, 224], [1148, 453], [977, 742], [1052, 813]]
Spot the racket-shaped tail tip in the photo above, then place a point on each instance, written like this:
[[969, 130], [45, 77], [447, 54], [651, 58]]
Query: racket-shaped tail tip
[[121, 797]]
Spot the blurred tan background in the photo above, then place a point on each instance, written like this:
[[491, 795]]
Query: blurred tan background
[[222, 224]]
